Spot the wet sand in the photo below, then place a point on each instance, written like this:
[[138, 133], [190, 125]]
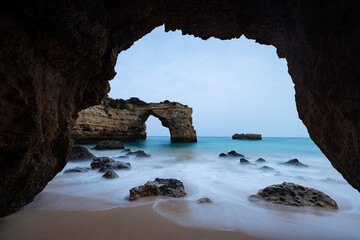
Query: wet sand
[[140, 222]]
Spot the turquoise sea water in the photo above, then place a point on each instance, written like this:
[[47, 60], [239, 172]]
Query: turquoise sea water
[[223, 180]]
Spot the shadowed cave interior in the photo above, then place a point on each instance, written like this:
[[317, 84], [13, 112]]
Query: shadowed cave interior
[[56, 59]]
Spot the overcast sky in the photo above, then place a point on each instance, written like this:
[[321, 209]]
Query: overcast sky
[[233, 86]]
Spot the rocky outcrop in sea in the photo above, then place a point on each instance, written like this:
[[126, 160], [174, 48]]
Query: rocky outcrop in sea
[[246, 136], [117, 119]]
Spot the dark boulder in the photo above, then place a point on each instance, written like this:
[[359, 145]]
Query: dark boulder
[[295, 195], [109, 163], [110, 174], [79, 153], [222, 155], [233, 153], [142, 154], [76, 169], [159, 187], [243, 161], [109, 144], [295, 162]]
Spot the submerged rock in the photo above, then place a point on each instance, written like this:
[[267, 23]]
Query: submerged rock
[[243, 161], [77, 169], [222, 155], [109, 163], [110, 174], [126, 150], [138, 154], [79, 153], [123, 157], [109, 144], [267, 169], [103, 169], [159, 187], [246, 136], [260, 160], [295, 195], [204, 200], [233, 153], [295, 162]]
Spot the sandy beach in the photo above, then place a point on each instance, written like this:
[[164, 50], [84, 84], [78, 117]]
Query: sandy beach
[[140, 222]]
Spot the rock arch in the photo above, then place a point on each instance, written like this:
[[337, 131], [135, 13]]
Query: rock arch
[[56, 58], [125, 120]]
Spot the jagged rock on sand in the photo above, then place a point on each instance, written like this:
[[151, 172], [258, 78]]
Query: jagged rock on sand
[[159, 187], [295, 195]]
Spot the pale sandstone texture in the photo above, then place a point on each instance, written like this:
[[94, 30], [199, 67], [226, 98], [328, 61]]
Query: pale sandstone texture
[[125, 120], [56, 58]]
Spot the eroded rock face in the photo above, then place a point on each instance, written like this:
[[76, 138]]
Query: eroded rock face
[[295, 195], [56, 58], [125, 121], [109, 144]]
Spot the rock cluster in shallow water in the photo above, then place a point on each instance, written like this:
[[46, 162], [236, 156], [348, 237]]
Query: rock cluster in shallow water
[[295, 195], [109, 163]]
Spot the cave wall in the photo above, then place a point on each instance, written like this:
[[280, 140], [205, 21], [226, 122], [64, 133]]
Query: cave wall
[[56, 58], [124, 120]]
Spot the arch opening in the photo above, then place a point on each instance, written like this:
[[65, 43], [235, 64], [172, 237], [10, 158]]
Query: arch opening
[[155, 127]]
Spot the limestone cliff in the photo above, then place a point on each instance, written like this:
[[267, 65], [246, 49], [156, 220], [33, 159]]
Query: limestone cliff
[[56, 58], [125, 121]]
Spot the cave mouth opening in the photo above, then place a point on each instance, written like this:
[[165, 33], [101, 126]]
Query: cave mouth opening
[[214, 77]]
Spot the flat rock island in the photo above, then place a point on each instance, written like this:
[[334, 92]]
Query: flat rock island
[[246, 136]]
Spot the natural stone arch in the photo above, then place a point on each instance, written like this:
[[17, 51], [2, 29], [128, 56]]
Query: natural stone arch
[[56, 58], [125, 120]]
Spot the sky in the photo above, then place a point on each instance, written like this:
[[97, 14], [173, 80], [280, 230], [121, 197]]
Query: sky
[[233, 86]]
